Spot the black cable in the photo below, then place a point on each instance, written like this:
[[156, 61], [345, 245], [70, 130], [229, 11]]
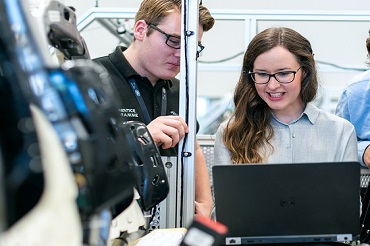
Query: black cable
[[223, 60], [181, 155], [341, 67], [317, 61]]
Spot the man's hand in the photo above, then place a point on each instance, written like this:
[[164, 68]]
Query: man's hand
[[167, 130], [203, 209]]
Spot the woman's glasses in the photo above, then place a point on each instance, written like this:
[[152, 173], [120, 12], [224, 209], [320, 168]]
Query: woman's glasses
[[284, 77]]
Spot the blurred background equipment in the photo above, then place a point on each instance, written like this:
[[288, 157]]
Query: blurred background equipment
[[76, 100]]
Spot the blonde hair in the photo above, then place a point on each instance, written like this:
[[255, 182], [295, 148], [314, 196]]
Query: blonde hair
[[154, 11]]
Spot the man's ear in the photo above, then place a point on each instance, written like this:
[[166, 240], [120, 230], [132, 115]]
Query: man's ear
[[140, 30]]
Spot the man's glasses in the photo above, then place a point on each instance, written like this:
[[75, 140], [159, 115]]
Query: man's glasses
[[174, 41], [284, 77], [200, 49]]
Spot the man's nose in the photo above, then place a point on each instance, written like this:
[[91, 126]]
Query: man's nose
[[177, 52]]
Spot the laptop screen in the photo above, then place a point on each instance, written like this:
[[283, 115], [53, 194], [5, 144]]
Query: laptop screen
[[280, 203]]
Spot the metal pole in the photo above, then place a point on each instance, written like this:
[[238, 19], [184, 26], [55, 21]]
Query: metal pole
[[188, 95]]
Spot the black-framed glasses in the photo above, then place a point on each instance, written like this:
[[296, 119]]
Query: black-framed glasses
[[171, 40], [283, 77], [174, 41], [200, 49]]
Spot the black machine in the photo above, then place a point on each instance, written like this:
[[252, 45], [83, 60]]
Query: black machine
[[142, 155], [62, 32], [107, 156]]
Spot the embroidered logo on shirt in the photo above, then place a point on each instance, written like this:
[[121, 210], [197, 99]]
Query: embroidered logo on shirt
[[128, 112]]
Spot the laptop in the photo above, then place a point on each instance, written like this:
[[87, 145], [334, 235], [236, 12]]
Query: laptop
[[288, 203]]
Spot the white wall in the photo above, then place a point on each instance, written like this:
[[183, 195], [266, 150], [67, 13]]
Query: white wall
[[338, 42]]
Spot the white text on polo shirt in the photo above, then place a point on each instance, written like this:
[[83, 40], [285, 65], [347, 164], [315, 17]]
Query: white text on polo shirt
[[128, 112]]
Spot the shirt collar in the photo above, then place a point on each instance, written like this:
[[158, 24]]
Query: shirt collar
[[125, 68], [310, 111]]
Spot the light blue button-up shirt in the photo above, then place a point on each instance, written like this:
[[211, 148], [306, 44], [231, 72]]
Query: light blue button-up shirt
[[354, 105], [316, 136]]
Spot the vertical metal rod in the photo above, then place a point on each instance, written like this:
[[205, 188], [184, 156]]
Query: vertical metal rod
[[188, 95]]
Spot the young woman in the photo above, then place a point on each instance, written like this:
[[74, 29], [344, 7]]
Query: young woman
[[274, 121]]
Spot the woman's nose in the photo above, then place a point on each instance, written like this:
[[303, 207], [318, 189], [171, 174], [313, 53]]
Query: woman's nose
[[273, 83]]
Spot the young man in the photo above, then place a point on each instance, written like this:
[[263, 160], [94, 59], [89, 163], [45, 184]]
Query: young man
[[354, 106], [150, 65]]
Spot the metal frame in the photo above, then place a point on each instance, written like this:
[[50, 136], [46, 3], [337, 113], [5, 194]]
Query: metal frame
[[188, 84], [168, 209], [250, 17]]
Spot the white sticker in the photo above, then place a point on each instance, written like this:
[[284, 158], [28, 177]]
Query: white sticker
[[54, 16], [196, 237]]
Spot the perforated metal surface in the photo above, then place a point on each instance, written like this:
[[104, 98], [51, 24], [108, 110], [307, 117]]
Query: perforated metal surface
[[208, 154], [365, 178], [154, 224]]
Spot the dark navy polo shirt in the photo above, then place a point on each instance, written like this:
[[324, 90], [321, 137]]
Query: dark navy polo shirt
[[120, 71]]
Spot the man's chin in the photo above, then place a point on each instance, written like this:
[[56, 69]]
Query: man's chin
[[171, 74]]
